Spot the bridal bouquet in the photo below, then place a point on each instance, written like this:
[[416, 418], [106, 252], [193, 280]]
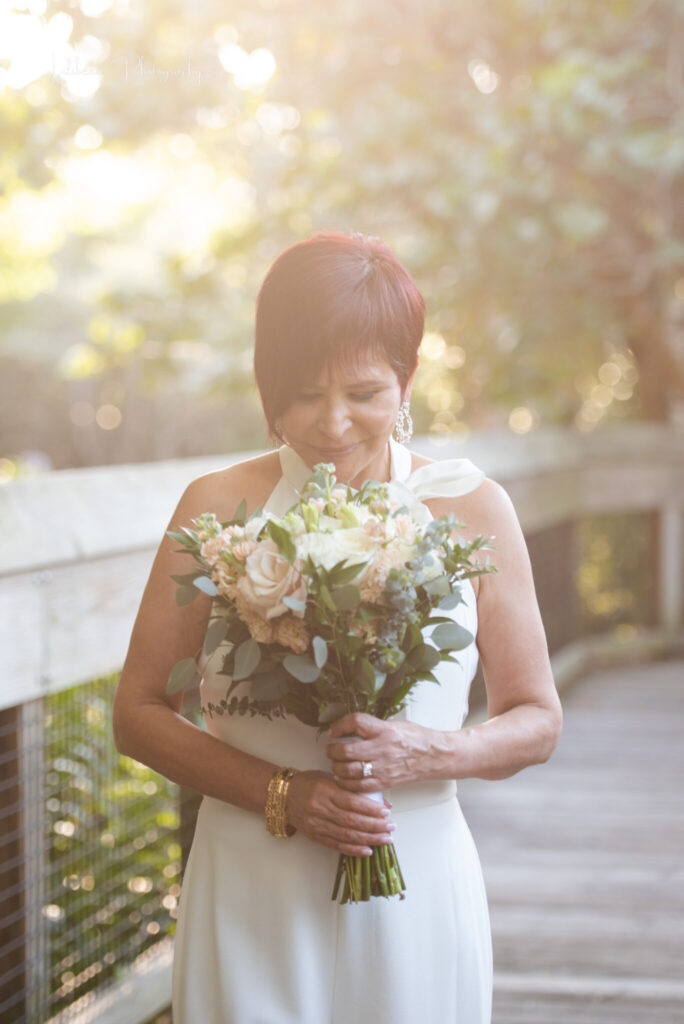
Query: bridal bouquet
[[332, 608]]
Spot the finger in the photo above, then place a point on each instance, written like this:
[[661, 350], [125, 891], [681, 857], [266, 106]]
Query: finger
[[354, 837], [333, 844], [361, 750], [347, 769], [359, 804], [371, 785], [361, 823], [357, 723]]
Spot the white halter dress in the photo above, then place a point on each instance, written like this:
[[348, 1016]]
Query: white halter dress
[[259, 939]]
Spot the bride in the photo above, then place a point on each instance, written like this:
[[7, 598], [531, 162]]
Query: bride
[[258, 939]]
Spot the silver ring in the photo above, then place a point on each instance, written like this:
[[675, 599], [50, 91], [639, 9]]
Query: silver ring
[[367, 769]]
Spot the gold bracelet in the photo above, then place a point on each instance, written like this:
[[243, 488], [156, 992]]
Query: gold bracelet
[[276, 795]]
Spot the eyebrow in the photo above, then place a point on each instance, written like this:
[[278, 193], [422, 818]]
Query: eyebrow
[[356, 384]]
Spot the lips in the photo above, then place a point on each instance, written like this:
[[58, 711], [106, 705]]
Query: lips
[[337, 451]]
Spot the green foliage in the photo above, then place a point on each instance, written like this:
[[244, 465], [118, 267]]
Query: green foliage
[[530, 153], [111, 836]]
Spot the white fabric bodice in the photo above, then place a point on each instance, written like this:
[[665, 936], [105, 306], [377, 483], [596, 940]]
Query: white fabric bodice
[[438, 706]]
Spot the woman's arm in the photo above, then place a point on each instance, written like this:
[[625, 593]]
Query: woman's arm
[[148, 726], [525, 714]]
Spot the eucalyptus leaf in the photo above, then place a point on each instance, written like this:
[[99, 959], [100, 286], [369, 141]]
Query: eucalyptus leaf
[[423, 657], [181, 675], [206, 585], [320, 650], [247, 657], [452, 635], [215, 634], [294, 603], [301, 668], [451, 601]]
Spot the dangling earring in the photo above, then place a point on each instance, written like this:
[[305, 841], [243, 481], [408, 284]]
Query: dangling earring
[[403, 428]]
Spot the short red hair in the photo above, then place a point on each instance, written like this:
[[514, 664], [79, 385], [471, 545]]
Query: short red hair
[[329, 300]]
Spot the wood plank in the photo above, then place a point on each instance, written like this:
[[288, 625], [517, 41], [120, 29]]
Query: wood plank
[[582, 859]]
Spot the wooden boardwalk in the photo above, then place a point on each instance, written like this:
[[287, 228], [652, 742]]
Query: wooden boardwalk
[[583, 859]]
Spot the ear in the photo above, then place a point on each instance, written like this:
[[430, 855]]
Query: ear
[[409, 384]]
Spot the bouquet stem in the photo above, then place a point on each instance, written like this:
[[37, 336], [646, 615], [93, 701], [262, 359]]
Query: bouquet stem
[[377, 875]]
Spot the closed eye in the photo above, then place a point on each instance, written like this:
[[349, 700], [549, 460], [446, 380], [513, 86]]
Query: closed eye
[[362, 396]]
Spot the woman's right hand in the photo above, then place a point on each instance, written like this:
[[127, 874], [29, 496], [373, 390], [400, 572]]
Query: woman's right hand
[[348, 822]]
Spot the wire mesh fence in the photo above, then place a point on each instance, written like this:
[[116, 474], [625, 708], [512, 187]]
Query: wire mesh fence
[[90, 854]]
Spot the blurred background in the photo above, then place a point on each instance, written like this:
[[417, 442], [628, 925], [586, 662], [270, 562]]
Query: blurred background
[[524, 159]]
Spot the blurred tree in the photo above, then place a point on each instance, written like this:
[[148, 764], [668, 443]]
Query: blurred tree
[[524, 159]]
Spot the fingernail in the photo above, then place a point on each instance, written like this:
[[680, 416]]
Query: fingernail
[[391, 826], [385, 812]]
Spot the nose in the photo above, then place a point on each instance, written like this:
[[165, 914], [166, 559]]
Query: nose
[[335, 420]]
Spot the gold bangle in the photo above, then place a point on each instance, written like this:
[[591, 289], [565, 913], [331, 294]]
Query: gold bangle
[[276, 795]]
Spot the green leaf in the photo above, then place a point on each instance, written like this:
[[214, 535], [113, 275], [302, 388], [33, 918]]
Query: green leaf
[[270, 686], [320, 650], [301, 668], [342, 573], [438, 586], [283, 539], [240, 512], [366, 676], [181, 675], [247, 657], [326, 598], [185, 578], [215, 634], [184, 595], [346, 597], [206, 585], [451, 635], [451, 601], [331, 712], [182, 538], [423, 657]]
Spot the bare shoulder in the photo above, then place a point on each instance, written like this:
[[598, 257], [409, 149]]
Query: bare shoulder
[[222, 490]]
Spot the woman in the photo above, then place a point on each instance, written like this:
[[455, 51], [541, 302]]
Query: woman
[[259, 940]]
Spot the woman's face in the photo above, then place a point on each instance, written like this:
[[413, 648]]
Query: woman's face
[[346, 417]]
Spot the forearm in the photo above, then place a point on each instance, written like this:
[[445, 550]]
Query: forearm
[[496, 749], [191, 757]]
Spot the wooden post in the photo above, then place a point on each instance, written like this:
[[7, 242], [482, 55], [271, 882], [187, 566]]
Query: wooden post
[[670, 569]]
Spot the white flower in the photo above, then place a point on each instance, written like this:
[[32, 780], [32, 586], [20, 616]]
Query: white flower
[[253, 525], [269, 577], [327, 549]]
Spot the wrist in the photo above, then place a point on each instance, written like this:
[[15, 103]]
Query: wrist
[[447, 755], [275, 810]]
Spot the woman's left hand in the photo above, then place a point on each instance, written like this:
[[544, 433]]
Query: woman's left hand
[[398, 752]]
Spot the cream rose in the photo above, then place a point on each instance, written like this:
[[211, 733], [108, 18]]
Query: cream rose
[[269, 577]]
